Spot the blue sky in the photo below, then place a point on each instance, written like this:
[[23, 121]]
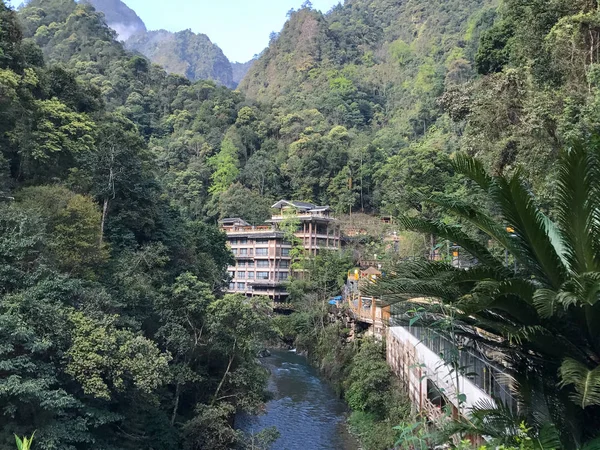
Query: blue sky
[[240, 27]]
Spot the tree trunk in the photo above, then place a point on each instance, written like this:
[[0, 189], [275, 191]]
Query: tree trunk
[[104, 212], [176, 406], [231, 358], [111, 187]]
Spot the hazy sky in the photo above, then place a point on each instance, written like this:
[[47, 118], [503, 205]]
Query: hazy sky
[[240, 27]]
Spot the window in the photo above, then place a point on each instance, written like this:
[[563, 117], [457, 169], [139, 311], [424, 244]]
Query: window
[[262, 263], [284, 264], [243, 252], [262, 275], [234, 251], [250, 263], [241, 275], [262, 251], [231, 274], [251, 275], [283, 276], [321, 242], [242, 241], [233, 241], [241, 264], [231, 286], [241, 286], [285, 251], [262, 241]]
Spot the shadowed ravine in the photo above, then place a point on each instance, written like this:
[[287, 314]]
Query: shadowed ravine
[[304, 408]]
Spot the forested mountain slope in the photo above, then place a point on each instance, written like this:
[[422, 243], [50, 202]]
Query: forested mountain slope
[[184, 53], [120, 17], [112, 170], [240, 70], [115, 333], [113, 328], [356, 93]]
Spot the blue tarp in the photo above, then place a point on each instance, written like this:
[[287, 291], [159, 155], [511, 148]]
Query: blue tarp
[[335, 300]]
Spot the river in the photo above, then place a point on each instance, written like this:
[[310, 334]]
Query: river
[[304, 409]]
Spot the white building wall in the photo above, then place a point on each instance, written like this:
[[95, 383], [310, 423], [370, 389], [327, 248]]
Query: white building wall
[[412, 361]]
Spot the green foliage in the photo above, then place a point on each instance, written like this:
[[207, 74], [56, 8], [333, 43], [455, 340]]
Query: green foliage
[[536, 316], [368, 380], [25, 443], [119, 349], [493, 53], [239, 201], [103, 150], [103, 358], [225, 164], [185, 53]]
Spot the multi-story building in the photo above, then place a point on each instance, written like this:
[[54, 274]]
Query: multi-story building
[[262, 253]]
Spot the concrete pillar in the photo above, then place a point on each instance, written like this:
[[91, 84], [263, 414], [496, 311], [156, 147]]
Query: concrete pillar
[[310, 233]]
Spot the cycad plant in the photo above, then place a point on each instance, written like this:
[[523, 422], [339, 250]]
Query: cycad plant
[[544, 317], [25, 443]]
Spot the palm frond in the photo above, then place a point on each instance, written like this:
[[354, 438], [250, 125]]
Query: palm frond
[[594, 444], [585, 382], [536, 249], [476, 217], [577, 206], [477, 274], [473, 169], [547, 438], [453, 234], [546, 302], [394, 289], [496, 419]]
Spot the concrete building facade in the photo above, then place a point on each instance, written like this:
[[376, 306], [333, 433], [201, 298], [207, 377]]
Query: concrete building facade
[[262, 253]]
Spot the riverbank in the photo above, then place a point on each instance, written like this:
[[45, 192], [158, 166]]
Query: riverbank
[[304, 408], [358, 373]]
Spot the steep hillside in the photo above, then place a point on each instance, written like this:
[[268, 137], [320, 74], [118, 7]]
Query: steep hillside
[[370, 72], [240, 70], [185, 53], [120, 17]]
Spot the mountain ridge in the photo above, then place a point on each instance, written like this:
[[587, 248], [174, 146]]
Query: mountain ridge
[[186, 53]]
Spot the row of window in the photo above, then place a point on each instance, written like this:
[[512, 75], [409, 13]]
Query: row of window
[[243, 241], [250, 251], [262, 263], [258, 275], [258, 252]]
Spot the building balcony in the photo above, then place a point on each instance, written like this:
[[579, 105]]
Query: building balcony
[[245, 257], [270, 283], [303, 217]]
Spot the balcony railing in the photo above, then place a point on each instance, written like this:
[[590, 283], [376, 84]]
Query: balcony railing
[[258, 229], [302, 216]]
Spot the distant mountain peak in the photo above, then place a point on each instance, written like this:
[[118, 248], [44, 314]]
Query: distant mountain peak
[[186, 53], [120, 17]]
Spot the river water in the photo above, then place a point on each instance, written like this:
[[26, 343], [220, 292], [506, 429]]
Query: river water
[[305, 410]]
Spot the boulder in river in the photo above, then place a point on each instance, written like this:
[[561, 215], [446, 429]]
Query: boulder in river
[[264, 353]]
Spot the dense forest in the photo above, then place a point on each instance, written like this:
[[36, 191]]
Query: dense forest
[[114, 332]]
